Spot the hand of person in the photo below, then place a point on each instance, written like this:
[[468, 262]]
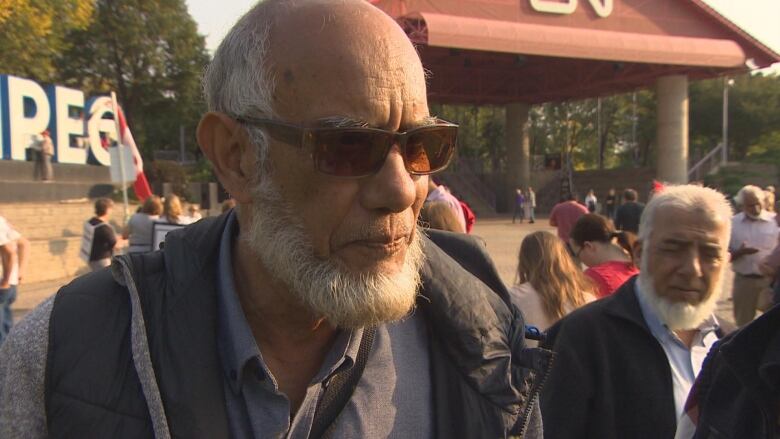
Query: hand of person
[[742, 251], [5, 284], [767, 270], [745, 250]]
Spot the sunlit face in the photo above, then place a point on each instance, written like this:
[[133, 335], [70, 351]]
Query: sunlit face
[[685, 255], [346, 247], [751, 205], [358, 65], [682, 264]]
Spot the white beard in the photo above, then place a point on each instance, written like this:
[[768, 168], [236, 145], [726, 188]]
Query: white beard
[[345, 299], [676, 315]]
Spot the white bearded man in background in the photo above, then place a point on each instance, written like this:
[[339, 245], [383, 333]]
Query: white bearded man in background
[[617, 357]]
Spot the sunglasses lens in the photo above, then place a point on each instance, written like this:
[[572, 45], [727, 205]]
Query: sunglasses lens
[[430, 149], [347, 153]]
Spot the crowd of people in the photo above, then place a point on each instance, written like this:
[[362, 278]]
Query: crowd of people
[[320, 308], [101, 241]]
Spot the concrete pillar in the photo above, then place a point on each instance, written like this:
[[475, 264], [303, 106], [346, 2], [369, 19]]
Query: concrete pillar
[[518, 150], [672, 129]]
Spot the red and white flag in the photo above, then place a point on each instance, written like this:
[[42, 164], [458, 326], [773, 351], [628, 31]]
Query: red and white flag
[[141, 185]]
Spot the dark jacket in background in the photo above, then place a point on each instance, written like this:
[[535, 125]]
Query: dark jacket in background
[[484, 381], [103, 240], [737, 393], [610, 378], [628, 215]]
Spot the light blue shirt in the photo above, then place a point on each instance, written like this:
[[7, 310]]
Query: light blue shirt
[[393, 397], [684, 363]]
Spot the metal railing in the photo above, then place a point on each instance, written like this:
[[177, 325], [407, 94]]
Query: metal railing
[[708, 164]]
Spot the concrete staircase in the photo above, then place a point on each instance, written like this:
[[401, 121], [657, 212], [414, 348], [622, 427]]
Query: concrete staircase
[[732, 176], [470, 191], [54, 230]]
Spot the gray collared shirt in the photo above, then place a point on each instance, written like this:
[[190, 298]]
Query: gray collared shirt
[[393, 398], [685, 363]]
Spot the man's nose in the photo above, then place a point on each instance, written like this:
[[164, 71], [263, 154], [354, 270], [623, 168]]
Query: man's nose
[[392, 188], [691, 265]]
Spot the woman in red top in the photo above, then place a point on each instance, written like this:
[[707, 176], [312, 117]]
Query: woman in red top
[[606, 251]]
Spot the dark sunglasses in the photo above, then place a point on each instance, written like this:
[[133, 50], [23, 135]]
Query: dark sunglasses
[[360, 152]]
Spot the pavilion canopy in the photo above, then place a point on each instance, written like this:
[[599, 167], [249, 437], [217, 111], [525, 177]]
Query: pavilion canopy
[[502, 51], [565, 42]]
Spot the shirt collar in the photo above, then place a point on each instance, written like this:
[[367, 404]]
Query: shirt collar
[[764, 216], [235, 340], [659, 329]]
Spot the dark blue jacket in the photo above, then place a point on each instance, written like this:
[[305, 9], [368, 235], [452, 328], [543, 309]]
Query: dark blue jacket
[[737, 393], [484, 381]]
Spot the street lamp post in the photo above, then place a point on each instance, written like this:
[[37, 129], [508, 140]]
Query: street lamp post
[[727, 83]]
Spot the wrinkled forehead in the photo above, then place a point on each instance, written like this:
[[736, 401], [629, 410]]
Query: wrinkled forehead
[[348, 59], [672, 222]]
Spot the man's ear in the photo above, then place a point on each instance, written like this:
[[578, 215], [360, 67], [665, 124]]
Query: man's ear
[[224, 142], [637, 250]]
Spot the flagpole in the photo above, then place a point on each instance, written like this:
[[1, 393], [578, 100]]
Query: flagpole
[[119, 145]]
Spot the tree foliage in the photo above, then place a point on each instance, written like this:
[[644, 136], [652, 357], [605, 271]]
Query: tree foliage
[[151, 54], [34, 32], [753, 113], [620, 130]]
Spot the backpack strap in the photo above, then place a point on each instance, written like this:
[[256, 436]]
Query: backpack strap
[[340, 388]]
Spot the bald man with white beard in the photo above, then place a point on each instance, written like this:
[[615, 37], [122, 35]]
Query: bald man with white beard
[[315, 308], [626, 363]]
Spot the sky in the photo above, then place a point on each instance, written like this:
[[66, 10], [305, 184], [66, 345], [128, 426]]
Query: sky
[[760, 18]]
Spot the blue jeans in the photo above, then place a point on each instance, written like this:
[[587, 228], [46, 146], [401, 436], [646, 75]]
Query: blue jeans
[[7, 297]]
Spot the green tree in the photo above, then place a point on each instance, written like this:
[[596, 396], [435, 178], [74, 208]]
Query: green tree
[[151, 54], [33, 33], [754, 115]]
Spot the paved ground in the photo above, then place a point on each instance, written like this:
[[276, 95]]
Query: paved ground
[[501, 237]]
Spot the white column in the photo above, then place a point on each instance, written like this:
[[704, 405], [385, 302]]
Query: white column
[[672, 129], [518, 149]]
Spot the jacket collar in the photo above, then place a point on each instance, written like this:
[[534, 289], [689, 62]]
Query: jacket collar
[[462, 299], [476, 321], [624, 304]]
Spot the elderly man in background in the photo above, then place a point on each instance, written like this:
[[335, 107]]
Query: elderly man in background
[[316, 307], [626, 363], [754, 234]]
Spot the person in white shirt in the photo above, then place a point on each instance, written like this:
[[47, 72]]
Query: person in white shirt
[[591, 201], [530, 205], [173, 212], [754, 234], [13, 253]]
